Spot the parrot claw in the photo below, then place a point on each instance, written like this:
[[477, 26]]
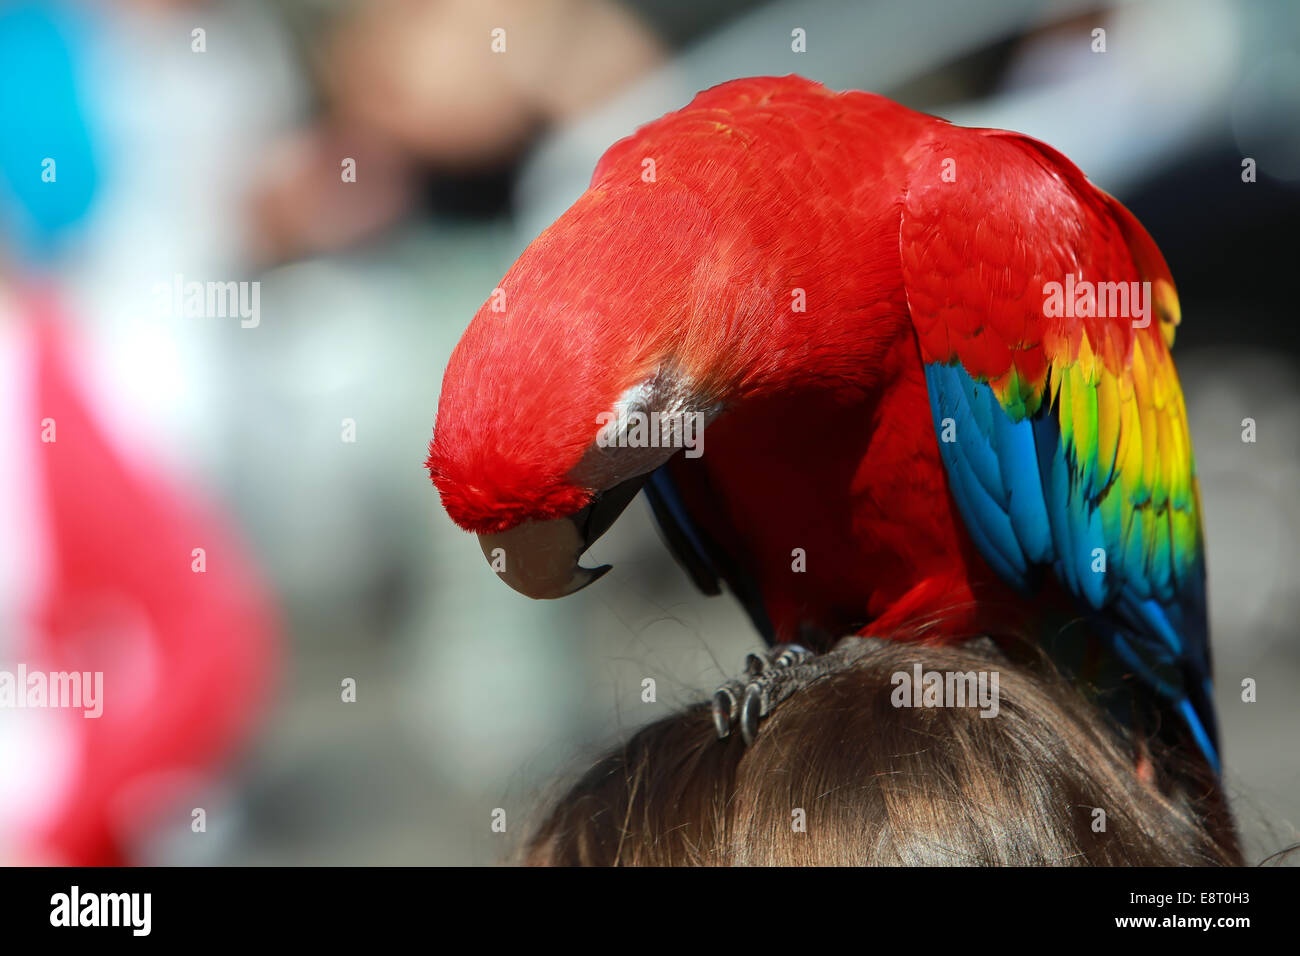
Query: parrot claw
[[769, 679], [726, 707], [773, 676]]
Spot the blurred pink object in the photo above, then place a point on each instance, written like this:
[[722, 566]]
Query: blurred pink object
[[99, 572]]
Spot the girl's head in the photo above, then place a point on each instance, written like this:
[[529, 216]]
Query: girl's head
[[841, 773]]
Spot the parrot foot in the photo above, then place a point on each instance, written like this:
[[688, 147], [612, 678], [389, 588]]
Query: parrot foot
[[770, 678]]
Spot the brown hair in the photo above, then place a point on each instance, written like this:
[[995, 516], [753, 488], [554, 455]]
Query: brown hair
[[884, 785]]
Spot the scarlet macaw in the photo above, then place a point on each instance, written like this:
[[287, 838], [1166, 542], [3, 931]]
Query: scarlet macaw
[[920, 374]]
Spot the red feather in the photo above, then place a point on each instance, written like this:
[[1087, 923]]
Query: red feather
[[761, 188]]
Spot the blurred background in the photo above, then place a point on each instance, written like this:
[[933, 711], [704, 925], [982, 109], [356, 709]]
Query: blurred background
[[211, 142]]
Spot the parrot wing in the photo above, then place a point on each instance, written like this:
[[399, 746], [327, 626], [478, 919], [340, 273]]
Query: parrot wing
[[1063, 432], [706, 562]]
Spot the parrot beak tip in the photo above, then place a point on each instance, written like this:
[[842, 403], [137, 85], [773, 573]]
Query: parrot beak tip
[[539, 559], [590, 576]]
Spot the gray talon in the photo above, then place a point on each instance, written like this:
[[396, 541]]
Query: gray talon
[[726, 705], [773, 676], [750, 712]]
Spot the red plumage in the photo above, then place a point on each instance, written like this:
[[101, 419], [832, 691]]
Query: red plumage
[[760, 189]]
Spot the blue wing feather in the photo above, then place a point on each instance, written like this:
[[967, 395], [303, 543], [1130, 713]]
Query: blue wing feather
[[1013, 486]]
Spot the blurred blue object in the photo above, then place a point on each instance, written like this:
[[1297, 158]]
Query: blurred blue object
[[41, 47]]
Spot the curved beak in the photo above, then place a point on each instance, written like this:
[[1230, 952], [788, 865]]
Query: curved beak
[[539, 559]]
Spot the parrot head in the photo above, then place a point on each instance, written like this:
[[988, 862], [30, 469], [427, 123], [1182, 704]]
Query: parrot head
[[659, 301], [587, 368]]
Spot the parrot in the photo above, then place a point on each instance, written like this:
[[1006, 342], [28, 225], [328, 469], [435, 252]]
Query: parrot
[[932, 365]]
